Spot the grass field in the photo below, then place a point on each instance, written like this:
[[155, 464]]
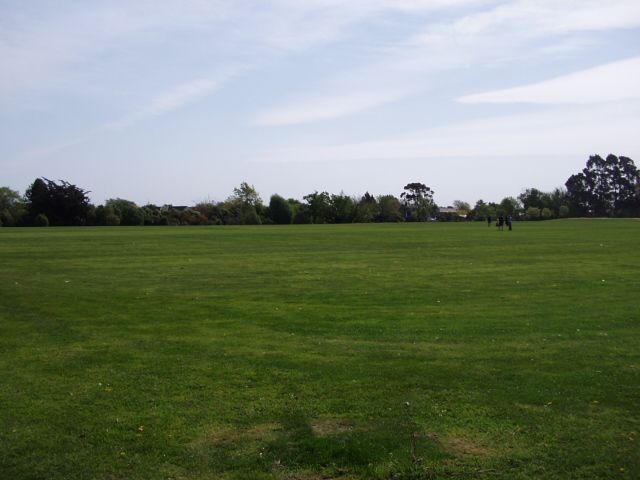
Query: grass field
[[411, 351]]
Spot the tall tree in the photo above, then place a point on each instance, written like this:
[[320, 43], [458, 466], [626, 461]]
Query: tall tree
[[62, 203], [280, 210], [509, 206], [343, 208], [557, 200], [247, 195], [243, 206], [389, 209], [366, 209], [320, 206], [483, 210], [605, 187], [463, 207], [418, 198], [531, 197], [12, 207]]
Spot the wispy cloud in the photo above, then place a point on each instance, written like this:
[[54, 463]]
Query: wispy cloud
[[533, 19], [43, 48], [495, 34], [51, 48], [173, 99], [605, 83], [319, 108], [578, 131], [46, 150]]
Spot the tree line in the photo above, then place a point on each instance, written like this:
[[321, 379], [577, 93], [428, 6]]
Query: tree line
[[605, 187]]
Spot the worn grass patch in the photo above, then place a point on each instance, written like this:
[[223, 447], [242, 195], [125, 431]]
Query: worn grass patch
[[331, 426], [220, 435], [461, 446]]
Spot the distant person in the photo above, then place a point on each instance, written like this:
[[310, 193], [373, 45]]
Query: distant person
[[500, 222], [489, 221], [509, 222]]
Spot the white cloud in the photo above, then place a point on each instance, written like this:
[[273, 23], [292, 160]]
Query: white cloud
[[555, 132], [319, 108], [527, 19], [173, 99], [44, 50], [50, 50], [605, 83], [47, 150], [497, 34]]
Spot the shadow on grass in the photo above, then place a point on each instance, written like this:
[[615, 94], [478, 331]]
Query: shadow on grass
[[296, 447]]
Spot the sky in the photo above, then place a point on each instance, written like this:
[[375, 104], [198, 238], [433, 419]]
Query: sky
[[177, 102]]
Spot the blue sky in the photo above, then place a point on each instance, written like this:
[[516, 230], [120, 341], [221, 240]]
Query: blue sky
[[179, 101]]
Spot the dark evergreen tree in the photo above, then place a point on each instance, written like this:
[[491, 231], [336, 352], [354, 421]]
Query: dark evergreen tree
[[62, 203], [280, 210]]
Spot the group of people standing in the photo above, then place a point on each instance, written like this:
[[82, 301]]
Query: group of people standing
[[500, 223]]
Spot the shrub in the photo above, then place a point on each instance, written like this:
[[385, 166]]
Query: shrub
[[533, 213], [546, 213], [563, 211], [389, 209], [249, 216], [112, 220], [128, 212], [41, 220], [303, 214], [210, 210], [343, 208], [191, 216], [6, 218]]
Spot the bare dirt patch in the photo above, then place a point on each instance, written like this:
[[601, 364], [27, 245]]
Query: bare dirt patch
[[304, 476], [314, 476], [323, 427], [465, 447], [263, 432]]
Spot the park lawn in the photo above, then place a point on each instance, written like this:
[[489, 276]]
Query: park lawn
[[408, 351]]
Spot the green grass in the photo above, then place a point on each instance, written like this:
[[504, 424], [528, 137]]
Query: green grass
[[308, 352]]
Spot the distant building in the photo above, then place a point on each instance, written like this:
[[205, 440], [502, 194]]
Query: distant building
[[448, 210], [178, 208], [449, 213]]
